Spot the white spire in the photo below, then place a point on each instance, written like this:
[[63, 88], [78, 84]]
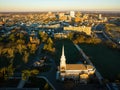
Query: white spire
[[63, 55], [63, 60], [63, 51]]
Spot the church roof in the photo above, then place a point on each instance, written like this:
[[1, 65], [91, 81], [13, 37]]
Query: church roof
[[89, 67], [78, 67]]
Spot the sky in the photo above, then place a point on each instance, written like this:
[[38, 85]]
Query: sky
[[59, 5]]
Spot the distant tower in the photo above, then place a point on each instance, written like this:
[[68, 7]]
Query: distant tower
[[62, 61], [100, 16], [72, 14]]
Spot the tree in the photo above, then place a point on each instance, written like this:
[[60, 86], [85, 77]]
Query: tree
[[34, 72], [43, 36], [2, 72], [20, 41], [49, 45], [70, 35], [49, 41], [11, 52], [19, 48], [46, 87], [27, 73], [21, 35], [33, 48], [25, 56], [110, 44], [12, 37], [1, 47], [1, 38], [7, 72], [10, 70]]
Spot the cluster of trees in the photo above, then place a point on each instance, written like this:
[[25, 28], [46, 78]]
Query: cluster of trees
[[113, 32], [70, 35], [86, 39], [111, 45], [28, 73], [109, 28], [115, 21], [48, 43], [6, 72], [16, 47], [43, 36], [50, 19]]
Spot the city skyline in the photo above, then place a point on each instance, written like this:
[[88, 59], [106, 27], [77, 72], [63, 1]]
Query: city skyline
[[58, 5]]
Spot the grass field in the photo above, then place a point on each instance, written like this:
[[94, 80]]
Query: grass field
[[106, 60], [71, 53]]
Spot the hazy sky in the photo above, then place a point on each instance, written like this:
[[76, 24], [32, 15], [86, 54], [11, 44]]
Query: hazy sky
[[51, 5]]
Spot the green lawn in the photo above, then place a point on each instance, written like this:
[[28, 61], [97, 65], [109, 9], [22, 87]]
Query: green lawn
[[106, 60], [71, 53]]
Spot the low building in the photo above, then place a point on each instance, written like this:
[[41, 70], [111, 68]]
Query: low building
[[80, 72], [85, 29], [39, 63], [34, 40], [60, 35], [72, 14]]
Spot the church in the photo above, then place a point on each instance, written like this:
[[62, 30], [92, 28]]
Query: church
[[80, 72]]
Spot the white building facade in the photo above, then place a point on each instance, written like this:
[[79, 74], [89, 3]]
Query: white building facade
[[80, 72], [72, 14]]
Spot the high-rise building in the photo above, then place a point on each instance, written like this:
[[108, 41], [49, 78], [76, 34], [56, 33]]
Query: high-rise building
[[72, 14], [100, 16]]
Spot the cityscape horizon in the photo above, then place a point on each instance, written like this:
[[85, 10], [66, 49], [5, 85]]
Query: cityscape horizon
[[59, 44], [96, 11], [59, 5]]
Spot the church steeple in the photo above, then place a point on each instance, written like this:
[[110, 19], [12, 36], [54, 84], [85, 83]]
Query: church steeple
[[63, 60], [63, 55]]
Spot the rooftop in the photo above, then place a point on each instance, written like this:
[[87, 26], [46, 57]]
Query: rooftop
[[78, 67]]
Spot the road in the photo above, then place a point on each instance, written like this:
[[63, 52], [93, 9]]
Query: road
[[51, 76], [111, 39], [103, 35], [36, 58]]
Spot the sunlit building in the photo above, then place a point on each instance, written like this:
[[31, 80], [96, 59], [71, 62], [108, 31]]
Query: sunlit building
[[80, 72], [100, 16], [84, 29], [72, 14]]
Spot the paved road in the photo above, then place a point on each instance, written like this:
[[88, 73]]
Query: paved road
[[109, 38], [21, 83], [36, 58], [101, 36], [101, 27], [51, 76]]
